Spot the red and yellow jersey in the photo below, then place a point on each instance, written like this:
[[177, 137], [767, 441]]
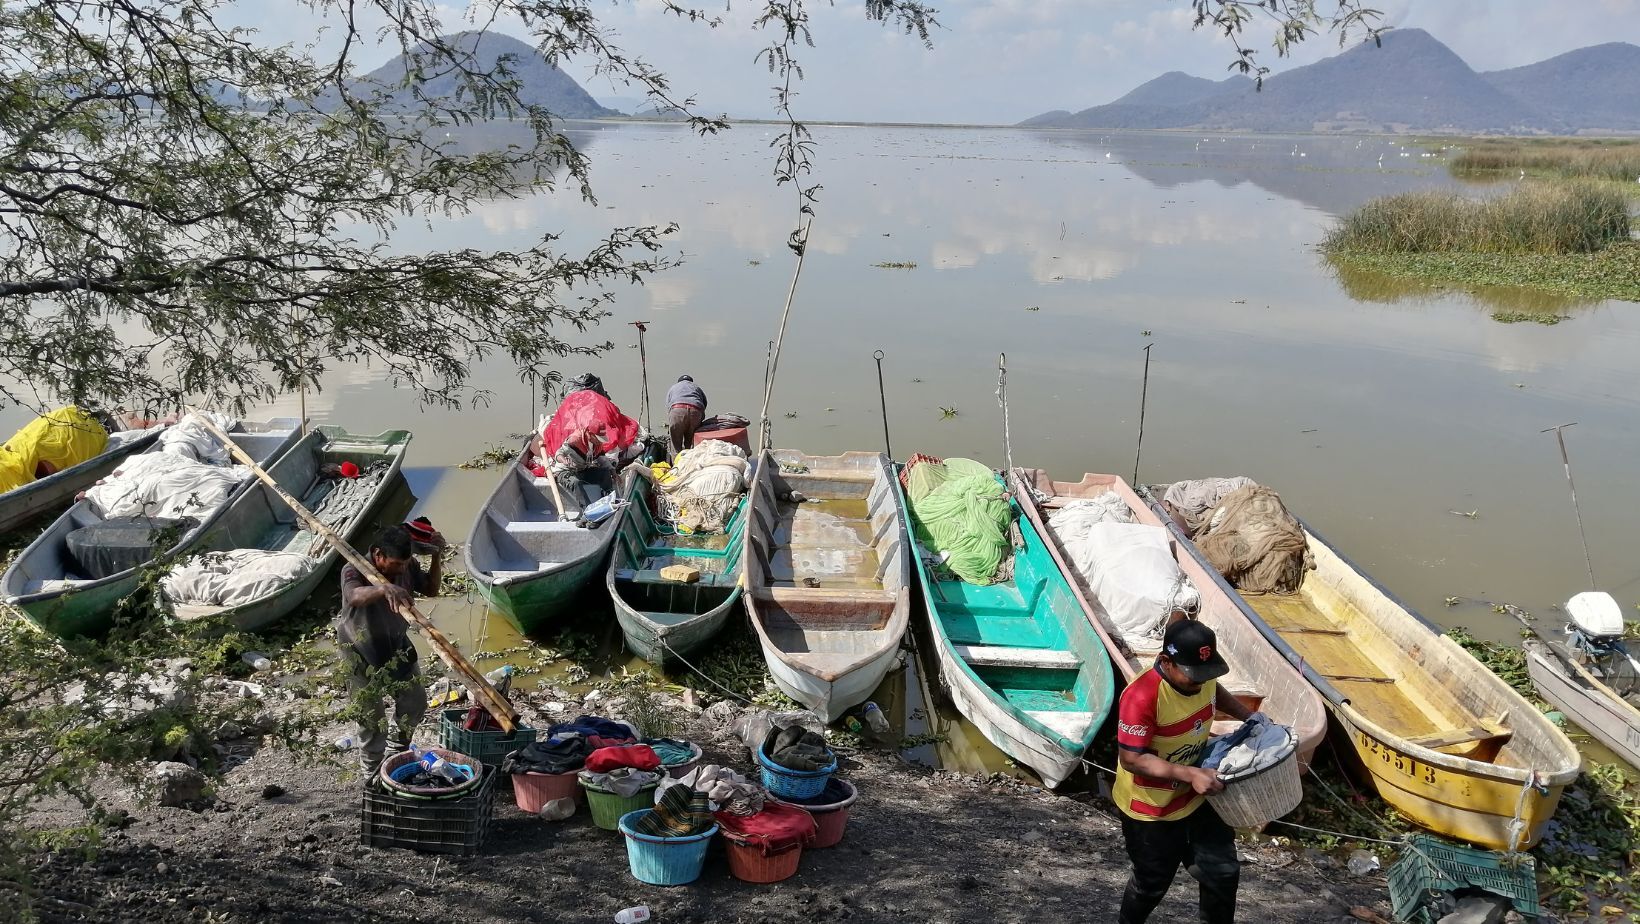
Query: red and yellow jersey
[[1154, 718]]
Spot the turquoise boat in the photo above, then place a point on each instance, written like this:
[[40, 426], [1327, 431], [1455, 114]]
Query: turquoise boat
[[528, 563], [43, 582], [1018, 658], [662, 619]]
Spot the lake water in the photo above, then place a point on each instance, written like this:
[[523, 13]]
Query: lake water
[[1376, 409]]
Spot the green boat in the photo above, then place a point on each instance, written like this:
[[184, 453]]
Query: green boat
[[1018, 658], [44, 581], [527, 563], [663, 619], [265, 522]]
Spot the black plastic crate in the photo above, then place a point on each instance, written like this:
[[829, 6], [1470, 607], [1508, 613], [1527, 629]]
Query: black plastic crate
[[489, 747], [453, 826]]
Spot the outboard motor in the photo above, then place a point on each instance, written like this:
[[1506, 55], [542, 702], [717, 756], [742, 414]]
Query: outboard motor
[[1596, 634]]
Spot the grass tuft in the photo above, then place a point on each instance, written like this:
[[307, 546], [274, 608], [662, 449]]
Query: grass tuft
[[1538, 218]]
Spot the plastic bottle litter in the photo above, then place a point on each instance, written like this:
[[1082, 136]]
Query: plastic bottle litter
[[1362, 863], [633, 915], [439, 767], [257, 660], [556, 810], [876, 719], [853, 724], [344, 743]]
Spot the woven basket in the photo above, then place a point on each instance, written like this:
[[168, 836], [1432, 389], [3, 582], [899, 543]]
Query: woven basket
[[533, 790], [664, 861], [1262, 796], [786, 783], [748, 863], [607, 807], [830, 811], [441, 791]]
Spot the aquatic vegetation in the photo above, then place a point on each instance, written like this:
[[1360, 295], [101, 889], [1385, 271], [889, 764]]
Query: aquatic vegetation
[[1610, 273], [1517, 317], [946, 413], [895, 265], [1600, 158], [1539, 218], [490, 458]]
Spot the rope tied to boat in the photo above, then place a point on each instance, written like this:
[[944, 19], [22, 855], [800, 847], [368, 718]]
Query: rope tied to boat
[[1517, 824]]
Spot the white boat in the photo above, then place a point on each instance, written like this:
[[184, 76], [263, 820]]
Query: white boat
[[1579, 674], [828, 577]]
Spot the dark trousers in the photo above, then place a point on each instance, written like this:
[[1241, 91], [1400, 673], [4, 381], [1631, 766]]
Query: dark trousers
[[682, 420], [1202, 843], [370, 688]]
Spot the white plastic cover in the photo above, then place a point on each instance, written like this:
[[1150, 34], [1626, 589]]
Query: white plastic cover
[[1596, 613], [1131, 571]]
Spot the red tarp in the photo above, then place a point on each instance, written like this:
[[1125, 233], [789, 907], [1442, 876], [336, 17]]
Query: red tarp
[[590, 411]]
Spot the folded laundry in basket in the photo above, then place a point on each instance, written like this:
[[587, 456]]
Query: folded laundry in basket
[[1256, 745], [728, 790], [599, 731], [636, 756], [554, 755], [625, 782], [797, 748], [679, 812]]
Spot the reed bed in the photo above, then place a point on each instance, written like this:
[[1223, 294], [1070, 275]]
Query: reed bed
[[1561, 157], [1537, 218]]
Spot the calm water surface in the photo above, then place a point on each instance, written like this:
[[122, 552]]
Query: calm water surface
[[1376, 409]]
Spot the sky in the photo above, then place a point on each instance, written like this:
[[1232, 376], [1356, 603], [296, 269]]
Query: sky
[[1001, 61]]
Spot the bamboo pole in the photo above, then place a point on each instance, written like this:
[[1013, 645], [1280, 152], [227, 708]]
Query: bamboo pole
[[494, 703]]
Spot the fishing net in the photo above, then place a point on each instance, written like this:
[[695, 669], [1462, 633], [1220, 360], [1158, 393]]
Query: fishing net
[[1255, 543], [961, 513], [704, 486]]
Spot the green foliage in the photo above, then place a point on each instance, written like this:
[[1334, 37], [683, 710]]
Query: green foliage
[[1523, 317], [1595, 158], [1538, 218], [1610, 273], [490, 457]]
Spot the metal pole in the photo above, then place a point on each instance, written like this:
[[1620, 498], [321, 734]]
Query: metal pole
[[643, 364], [1566, 461], [1144, 394], [882, 398], [1002, 399]]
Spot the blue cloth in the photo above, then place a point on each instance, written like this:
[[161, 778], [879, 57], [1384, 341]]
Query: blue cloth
[[1220, 746], [600, 731]]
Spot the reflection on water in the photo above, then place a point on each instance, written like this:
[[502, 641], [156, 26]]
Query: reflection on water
[[1367, 286]]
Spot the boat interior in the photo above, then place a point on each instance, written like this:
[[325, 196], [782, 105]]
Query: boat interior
[[645, 546], [826, 572], [47, 564], [521, 533]]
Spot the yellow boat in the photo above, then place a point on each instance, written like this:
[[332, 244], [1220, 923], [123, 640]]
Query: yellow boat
[[1446, 742]]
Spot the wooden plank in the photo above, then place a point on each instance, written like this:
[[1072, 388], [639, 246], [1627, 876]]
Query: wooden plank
[[1006, 656], [494, 703], [1347, 678]]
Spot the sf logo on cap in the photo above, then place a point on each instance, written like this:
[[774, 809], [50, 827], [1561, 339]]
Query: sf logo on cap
[[1206, 652]]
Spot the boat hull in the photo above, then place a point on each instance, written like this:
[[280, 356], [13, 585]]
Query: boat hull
[[538, 600], [830, 699], [32, 499], [1586, 701], [1049, 760]]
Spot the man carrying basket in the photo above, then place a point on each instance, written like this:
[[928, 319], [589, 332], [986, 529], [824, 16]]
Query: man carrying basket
[[1163, 724]]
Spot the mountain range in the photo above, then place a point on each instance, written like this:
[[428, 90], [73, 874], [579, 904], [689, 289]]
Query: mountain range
[[1410, 83], [541, 82]]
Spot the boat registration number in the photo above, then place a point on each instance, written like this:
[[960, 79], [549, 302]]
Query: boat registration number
[[1392, 759]]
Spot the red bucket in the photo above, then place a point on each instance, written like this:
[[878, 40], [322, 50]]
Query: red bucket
[[830, 811], [748, 863], [533, 790]]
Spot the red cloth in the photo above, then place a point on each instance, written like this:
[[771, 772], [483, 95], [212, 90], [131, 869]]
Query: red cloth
[[588, 410], [636, 756], [776, 829]]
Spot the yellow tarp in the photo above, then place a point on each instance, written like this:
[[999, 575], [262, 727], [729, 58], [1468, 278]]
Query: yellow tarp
[[63, 438]]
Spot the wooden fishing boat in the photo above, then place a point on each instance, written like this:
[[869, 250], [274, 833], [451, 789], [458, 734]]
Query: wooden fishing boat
[[663, 619], [264, 521], [526, 561], [1018, 658], [1264, 676], [1444, 740], [20, 505], [827, 578], [1595, 707], [42, 583]]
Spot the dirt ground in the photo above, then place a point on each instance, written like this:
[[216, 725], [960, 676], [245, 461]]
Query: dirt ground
[[922, 845]]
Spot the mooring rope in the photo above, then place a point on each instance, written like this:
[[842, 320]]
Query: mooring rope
[[1002, 399]]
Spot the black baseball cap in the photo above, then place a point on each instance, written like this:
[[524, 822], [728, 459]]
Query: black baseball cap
[[1195, 650]]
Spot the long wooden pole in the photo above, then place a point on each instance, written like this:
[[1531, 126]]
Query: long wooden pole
[[494, 703], [1566, 460]]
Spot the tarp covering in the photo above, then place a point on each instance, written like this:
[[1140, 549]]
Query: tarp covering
[[1255, 543], [704, 486], [119, 544], [233, 578], [961, 513], [160, 484], [64, 438], [1129, 567], [590, 411]]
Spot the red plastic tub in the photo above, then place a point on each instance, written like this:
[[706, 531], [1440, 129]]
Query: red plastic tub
[[830, 811], [735, 435], [748, 863], [533, 790]]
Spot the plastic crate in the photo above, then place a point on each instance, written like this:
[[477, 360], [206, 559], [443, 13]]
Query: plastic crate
[[1431, 865], [450, 826], [490, 747]]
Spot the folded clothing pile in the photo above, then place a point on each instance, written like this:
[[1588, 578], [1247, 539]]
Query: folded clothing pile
[[625, 782], [671, 751], [634, 756], [796, 748], [679, 812], [553, 755], [599, 732], [1257, 745], [728, 791], [775, 829]]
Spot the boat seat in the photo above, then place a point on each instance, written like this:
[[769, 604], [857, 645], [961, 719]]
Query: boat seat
[[1483, 740], [534, 526], [707, 578], [1007, 656]]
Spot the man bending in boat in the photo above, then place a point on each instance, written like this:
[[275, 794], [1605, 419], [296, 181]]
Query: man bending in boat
[[374, 640], [685, 409], [1163, 723]]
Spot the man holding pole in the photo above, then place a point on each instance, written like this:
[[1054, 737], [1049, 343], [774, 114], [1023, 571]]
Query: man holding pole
[[373, 638]]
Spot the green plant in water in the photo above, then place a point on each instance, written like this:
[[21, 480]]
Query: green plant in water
[[1517, 317], [895, 265], [490, 458], [946, 413]]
